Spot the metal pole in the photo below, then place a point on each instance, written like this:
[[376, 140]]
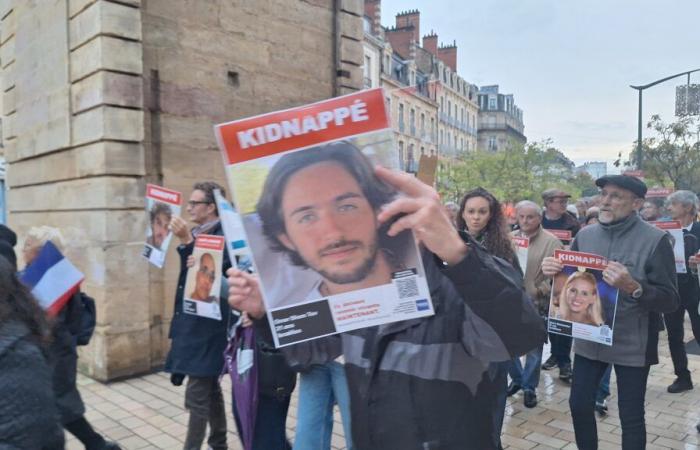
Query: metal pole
[[639, 133]]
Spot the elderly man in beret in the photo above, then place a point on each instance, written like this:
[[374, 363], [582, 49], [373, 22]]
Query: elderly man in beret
[[641, 265]]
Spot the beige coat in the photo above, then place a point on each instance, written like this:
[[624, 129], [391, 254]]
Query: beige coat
[[537, 286]]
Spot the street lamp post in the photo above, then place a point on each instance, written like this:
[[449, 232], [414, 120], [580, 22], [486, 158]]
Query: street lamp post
[[639, 117]]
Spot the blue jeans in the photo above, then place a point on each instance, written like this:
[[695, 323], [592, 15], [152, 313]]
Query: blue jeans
[[604, 386], [527, 377], [319, 389], [631, 389], [561, 348]]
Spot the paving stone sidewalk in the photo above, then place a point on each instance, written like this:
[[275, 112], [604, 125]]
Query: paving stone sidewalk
[[147, 413]]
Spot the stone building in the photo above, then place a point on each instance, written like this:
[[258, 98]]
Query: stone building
[[500, 120], [100, 97], [409, 93], [456, 98]]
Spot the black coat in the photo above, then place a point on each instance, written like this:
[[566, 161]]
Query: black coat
[[28, 416], [63, 358], [198, 343]]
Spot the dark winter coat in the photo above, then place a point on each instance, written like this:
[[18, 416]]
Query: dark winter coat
[[412, 383], [28, 416], [63, 358], [198, 343]]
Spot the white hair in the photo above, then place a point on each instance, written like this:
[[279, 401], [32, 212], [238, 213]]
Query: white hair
[[685, 198], [528, 204], [41, 235]]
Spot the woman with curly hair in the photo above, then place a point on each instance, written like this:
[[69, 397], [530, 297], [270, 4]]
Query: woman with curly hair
[[481, 216]]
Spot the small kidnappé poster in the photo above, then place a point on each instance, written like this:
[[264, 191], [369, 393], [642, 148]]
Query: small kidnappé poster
[[203, 282], [304, 185], [522, 244], [582, 305], [674, 230], [161, 206]]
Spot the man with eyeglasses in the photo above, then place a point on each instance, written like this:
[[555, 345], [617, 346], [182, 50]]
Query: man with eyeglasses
[[641, 265], [556, 217], [198, 343]]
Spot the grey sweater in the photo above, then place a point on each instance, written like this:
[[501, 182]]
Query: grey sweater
[[648, 255]]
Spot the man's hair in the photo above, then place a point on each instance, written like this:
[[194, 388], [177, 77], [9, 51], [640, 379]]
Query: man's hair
[[159, 208], [208, 188], [345, 154], [528, 204], [685, 198]]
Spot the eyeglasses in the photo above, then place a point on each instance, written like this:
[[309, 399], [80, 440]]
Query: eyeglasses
[[211, 275], [193, 203]]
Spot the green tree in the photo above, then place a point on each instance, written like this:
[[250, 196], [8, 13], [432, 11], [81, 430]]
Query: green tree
[[672, 155], [518, 173]]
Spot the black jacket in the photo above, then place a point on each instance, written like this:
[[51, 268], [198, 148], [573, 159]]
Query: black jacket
[[63, 358], [28, 416], [412, 383], [198, 343], [688, 287]]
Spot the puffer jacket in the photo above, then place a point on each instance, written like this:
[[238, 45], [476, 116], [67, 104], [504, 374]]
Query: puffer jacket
[[28, 416]]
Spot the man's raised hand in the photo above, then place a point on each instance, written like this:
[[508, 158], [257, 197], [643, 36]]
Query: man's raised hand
[[244, 293]]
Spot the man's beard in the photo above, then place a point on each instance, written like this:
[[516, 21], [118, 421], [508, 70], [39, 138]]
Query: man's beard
[[356, 275]]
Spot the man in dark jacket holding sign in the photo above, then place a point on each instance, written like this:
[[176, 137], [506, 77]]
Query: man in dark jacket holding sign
[[641, 265], [198, 343], [412, 382]]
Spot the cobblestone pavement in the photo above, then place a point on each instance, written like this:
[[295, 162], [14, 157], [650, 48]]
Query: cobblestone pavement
[[147, 413]]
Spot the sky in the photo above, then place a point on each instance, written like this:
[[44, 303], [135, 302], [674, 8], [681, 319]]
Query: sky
[[570, 63]]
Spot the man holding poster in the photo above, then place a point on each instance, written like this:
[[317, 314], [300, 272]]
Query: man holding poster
[[640, 263], [541, 244], [683, 207], [198, 341], [412, 368]]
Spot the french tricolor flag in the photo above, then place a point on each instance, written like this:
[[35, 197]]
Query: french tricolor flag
[[52, 279]]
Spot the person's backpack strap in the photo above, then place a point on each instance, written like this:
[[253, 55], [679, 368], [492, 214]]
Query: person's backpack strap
[[88, 320]]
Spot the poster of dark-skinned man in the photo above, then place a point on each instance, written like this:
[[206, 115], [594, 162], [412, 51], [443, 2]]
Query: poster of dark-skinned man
[[582, 305], [161, 205], [303, 181], [203, 282]]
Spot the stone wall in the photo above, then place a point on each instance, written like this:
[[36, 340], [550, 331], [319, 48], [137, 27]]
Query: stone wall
[[110, 95]]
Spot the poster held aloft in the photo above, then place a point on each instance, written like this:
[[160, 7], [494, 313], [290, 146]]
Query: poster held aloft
[[161, 205], [522, 244], [203, 282], [304, 185], [674, 230], [582, 305]]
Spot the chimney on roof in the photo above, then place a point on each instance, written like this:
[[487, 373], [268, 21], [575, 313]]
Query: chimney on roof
[[408, 19], [430, 43], [373, 10], [448, 55]]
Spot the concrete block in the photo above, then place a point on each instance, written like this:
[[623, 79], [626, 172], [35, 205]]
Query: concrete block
[[8, 126], [8, 102], [77, 6], [8, 26], [117, 355], [5, 7], [82, 194], [351, 26], [105, 18], [356, 7], [351, 51], [43, 122], [7, 80], [106, 53], [108, 122], [107, 88], [7, 52], [101, 158]]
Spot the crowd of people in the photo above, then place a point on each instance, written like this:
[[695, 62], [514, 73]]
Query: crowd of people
[[433, 383]]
